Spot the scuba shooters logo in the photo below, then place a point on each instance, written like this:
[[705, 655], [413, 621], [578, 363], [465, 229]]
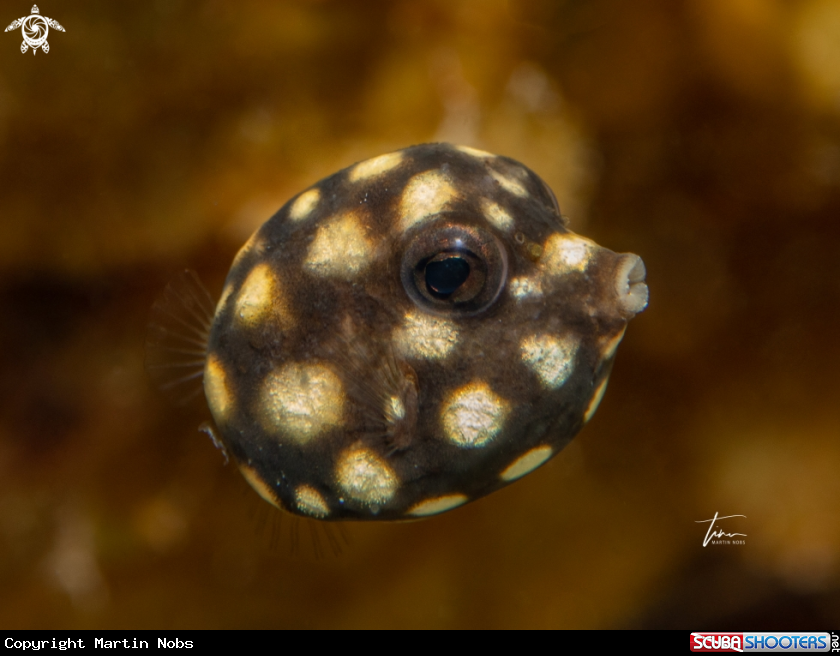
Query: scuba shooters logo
[[761, 642]]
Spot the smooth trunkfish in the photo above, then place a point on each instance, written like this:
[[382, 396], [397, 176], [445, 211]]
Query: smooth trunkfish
[[407, 335]]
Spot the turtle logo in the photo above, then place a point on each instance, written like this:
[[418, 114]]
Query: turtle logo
[[35, 29]]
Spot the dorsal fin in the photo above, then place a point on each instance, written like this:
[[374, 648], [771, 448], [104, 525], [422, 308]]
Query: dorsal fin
[[176, 337]]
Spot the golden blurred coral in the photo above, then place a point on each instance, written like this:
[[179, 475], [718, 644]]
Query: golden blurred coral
[[703, 135]]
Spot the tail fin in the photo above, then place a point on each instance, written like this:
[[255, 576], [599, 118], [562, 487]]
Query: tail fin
[[177, 336]]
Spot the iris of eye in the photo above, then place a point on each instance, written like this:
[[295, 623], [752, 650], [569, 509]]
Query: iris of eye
[[445, 276]]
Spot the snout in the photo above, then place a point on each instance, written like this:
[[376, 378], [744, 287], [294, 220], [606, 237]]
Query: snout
[[630, 284]]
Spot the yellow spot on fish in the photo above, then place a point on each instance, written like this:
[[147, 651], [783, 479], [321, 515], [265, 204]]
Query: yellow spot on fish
[[564, 253], [375, 166], [475, 152], [526, 463], [366, 477], [256, 482], [509, 184], [473, 415], [217, 389], [301, 401], [340, 248], [425, 336], [523, 288], [309, 501], [304, 204], [260, 295], [425, 195], [497, 215], [437, 505], [596, 400], [551, 358]]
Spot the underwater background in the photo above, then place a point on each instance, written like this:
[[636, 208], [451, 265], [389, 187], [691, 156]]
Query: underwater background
[[703, 135]]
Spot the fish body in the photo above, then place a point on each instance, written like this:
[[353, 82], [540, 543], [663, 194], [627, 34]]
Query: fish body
[[410, 334]]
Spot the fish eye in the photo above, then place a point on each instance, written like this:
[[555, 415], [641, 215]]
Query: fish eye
[[454, 269]]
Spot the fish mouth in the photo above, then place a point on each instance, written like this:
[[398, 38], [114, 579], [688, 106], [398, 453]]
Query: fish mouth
[[630, 284]]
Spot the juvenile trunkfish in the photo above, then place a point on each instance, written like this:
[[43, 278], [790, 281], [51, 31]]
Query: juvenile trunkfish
[[407, 335]]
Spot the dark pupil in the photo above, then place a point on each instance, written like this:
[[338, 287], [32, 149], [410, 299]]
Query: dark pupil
[[444, 277]]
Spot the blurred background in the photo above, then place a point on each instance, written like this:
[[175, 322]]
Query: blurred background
[[703, 135]]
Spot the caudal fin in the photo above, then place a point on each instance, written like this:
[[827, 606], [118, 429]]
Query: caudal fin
[[176, 338]]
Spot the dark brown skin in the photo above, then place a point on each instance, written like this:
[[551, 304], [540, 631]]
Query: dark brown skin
[[353, 377]]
